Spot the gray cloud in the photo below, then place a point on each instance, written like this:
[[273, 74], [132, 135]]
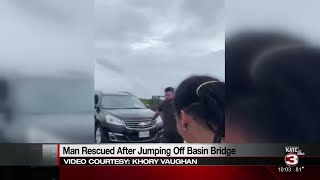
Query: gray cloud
[[108, 66], [157, 43], [297, 17]]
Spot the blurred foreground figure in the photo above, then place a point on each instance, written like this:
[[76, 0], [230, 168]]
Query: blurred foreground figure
[[47, 109], [273, 89]]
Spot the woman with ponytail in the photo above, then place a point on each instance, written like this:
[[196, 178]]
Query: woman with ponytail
[[199, 108]]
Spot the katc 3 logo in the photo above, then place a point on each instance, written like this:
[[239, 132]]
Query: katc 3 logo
[[292, 157]]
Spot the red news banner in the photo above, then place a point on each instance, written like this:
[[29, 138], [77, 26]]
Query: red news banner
[[205, 161], [286, 157]]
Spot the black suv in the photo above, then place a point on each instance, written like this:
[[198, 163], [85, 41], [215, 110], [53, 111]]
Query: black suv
[[122, 117]]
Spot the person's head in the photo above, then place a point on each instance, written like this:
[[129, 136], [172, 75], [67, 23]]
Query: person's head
[[199, 108], [281, 105], [169, 93], [241, 50]]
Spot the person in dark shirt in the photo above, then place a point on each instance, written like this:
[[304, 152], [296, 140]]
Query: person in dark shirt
[[165, 110], [199, 108]]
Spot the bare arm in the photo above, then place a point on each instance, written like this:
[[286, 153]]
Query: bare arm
[[158, 113]]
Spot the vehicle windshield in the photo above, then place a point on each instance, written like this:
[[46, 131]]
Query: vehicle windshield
[[121, 102]]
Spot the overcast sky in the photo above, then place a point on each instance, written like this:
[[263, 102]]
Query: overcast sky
[[295, 16], [143, 46], [140, 45], [46, 37]]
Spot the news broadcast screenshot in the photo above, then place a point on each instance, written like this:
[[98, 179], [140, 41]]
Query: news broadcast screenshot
[[150, 89]]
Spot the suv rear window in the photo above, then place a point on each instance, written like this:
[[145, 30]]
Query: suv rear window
[[121, 102]]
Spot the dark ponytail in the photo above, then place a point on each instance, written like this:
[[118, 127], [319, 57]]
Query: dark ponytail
[[203, 97]]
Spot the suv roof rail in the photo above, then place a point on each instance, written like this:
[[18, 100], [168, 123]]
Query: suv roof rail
[[126, 92], [98, 92]]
